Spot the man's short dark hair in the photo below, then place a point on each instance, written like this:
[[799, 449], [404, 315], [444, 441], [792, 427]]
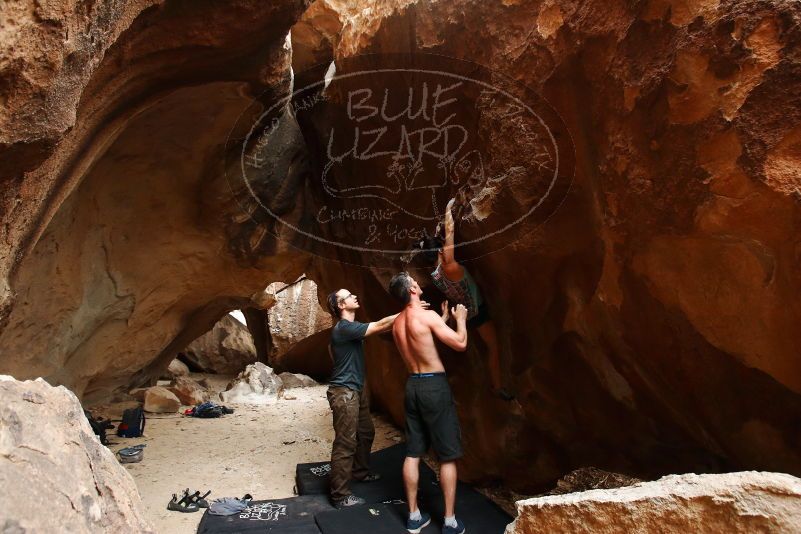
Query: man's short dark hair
[[431, 245], [399, 287], [333, 305]]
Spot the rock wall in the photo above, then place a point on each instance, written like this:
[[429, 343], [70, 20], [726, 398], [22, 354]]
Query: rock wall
[[126, 240], [647, 324]]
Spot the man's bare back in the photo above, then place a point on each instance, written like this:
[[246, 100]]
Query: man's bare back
[[414, 330]]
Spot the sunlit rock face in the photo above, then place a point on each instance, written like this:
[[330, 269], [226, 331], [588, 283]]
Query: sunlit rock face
[[647, 324], [137, 241], [295, 316]]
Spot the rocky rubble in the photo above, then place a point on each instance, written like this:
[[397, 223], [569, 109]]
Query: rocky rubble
[[55, 476]]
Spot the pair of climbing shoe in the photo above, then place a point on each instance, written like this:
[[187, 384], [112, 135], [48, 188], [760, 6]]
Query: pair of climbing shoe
[[190, 502]]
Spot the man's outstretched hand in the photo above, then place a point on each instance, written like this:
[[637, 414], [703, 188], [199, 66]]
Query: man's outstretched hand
[[444, 307], [459, 312]]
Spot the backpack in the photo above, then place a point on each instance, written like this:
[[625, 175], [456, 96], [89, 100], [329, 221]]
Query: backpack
[[208, 410], [99, 426], [133, 423]]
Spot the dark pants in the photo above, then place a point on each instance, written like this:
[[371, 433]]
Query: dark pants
[[354, 432], [431, 418]]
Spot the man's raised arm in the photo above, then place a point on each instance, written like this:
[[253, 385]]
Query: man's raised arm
[[453, 270], [456, 340], [383, 325]]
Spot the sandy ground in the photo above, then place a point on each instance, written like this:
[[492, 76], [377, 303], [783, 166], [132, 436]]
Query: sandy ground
[[253, 450]]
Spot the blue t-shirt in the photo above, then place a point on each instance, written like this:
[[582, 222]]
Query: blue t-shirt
[[347, 348]]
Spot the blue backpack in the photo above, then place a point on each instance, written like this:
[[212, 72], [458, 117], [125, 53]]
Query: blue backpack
[[208, 410], [133, 423]]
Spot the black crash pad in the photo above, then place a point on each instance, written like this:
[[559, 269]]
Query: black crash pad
[[386, 499], [281, 516], [382, 518], [477, 512], [312, 478]]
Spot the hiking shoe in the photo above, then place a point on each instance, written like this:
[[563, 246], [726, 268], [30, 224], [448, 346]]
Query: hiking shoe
[[414, 526], [458, 529], [350, 500], [371, 477]]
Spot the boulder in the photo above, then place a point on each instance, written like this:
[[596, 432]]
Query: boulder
[[734, 503], [297, 380], [188, 391], [159, 399], [176, 368], [225, 349], [55, 476], [257, 384], [296, 315]]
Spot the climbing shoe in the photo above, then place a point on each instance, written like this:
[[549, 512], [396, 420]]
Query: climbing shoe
[[414, 526], [181, 505]]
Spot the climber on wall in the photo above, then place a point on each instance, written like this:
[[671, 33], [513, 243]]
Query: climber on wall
[[458, 286], [348, 397]]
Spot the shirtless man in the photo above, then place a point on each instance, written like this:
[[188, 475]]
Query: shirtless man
[[430, 411]]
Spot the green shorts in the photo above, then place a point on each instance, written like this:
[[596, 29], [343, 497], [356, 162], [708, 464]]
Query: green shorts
[[431, 419]]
